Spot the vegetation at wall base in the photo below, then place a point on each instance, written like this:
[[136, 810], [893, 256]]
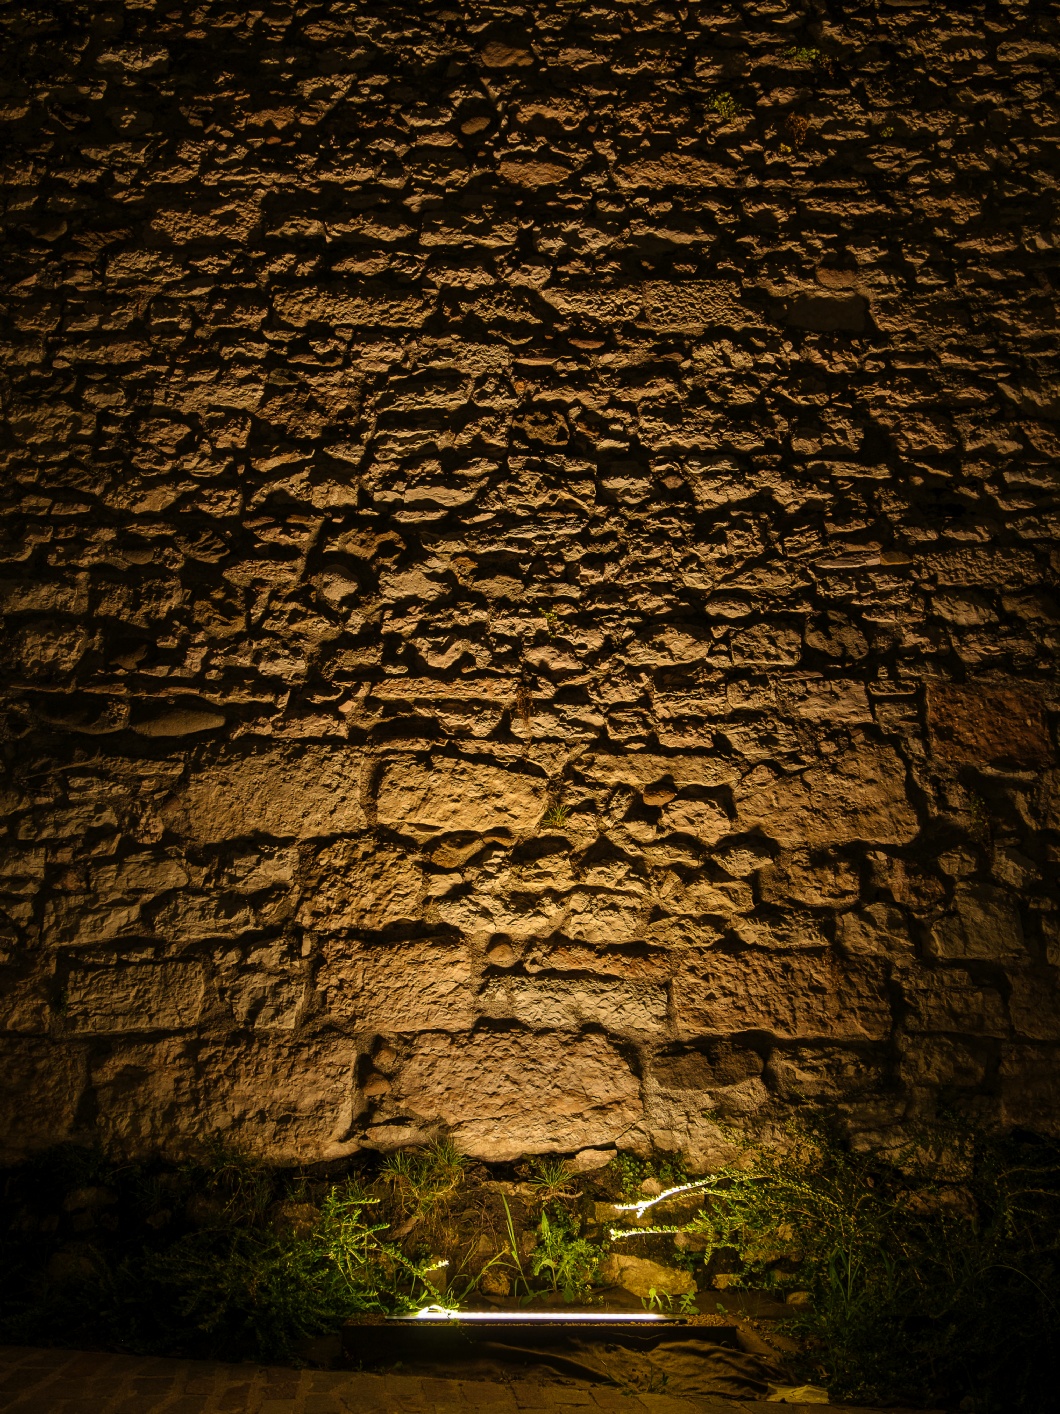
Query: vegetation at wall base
[[933, 1277]]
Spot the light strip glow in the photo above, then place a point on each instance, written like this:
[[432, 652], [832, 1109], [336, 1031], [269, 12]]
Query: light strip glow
[[442, 1313]]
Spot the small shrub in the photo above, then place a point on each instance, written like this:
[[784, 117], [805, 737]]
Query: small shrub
[[923, 1290], [568, 1260], [801, 54], [425, 1179], [725, 105], [551, 1179], [556, 816]]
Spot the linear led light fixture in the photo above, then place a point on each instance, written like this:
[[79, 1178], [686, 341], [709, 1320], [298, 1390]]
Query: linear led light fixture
[[443, 1313]]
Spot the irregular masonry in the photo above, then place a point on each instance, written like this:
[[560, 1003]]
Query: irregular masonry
[[530, 543]]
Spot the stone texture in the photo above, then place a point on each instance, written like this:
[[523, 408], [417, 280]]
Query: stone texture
[[286, 793], [785, 994], [458, 795], [505, 1093], [642, 1276], [140, 996], [530, 552], [419, 985]]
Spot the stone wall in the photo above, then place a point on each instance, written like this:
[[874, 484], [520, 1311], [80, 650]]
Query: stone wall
[[529, 572]]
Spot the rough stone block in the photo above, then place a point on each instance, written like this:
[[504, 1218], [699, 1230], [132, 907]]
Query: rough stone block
[[282, 792], [135, 996], [949, 1001], [984, 925], [356, 884], [693, 306], [419, 985], [502, 1093], [290, 1099], [979, 723], [795, 995], [41, 1084], [459, 794], [545, 1003], [858, 796]]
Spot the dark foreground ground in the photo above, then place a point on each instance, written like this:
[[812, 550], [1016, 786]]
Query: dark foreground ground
[[81, 1382]]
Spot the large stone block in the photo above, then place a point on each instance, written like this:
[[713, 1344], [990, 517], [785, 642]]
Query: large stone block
[[147, 1097], [976, 723], [459, 794], [358, 884], [287, 1101], [796, 995], [418, 985], [501, 1094], [692, 306], [950, 1001], [135, 996], [625, 1008], [41, 1084], [985, 925], [284, 792], [860, 795]]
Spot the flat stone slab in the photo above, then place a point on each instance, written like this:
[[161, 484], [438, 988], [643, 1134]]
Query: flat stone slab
[[34, 1381]]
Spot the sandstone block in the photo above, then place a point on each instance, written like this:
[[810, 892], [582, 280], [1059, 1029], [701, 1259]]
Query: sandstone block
[[1030, 1088], [147, 1097], [284, 792], [878, 929], [818, 880], [644, 768], [501, 1094], [949, 1001], [827, 1073], [1034, 1003], [352, 309], [597, 916], [825, 311], [985, 924], [419, 985], [704, 819], [692, 306], [670, 169], [41, 1083], [641, 1276], [288, 1101], [532, 174], [135, 996], [544, 1003], [459, 794], [796, 995], [706, 1067], [180, 721], [858, 796], [980, 723], [628, 963], [358, 885]]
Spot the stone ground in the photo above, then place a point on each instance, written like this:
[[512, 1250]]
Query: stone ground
[[88, 1382]]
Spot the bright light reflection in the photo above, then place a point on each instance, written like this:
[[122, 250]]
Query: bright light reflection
[[442, 1313]]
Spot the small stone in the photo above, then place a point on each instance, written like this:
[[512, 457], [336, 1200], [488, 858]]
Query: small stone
[[641, 1276]]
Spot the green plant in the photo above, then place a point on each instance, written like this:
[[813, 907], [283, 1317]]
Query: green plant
[[801, 54], [668, 1301], [551, 1179], [725, 105], [908, 1270], [551, 619], [569, 1261], [556, 816], [424, 1180], [513, 1249], [217, 1277]]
